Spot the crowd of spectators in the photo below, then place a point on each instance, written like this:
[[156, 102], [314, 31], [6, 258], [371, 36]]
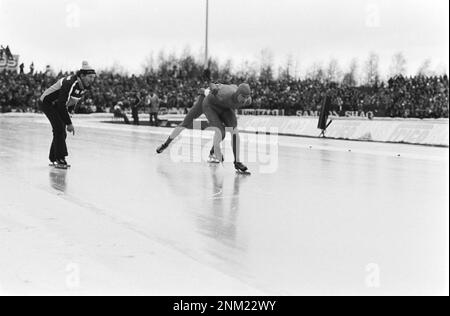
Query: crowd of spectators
[[418, 96], [423, 97]]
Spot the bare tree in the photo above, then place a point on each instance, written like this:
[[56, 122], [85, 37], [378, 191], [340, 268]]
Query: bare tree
[[333, 72], [441, 69], [118, 69], [286, 71], [398, 65], [188, 65], [149, 64], [372, 72], [266, 64], [316, 72], [296, 68], [248, 70], [350, 77], [252, 69], [226, 70], [425, 68], [213, 66], [162, 63]]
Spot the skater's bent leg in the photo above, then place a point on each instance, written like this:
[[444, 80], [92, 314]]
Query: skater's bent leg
[[188, 121], [211, 152], [215, 124], [236, 141], [194, 113], [230, 120], [218, 137]]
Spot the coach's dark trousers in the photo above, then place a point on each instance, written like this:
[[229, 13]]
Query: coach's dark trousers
[[58, 149]]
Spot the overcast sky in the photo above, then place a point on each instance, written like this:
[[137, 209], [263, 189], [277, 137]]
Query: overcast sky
[[62, 33]]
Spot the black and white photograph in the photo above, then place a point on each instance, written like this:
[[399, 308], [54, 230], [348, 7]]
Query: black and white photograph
[[226, 155]]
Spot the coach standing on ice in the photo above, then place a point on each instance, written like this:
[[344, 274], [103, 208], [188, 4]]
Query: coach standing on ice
[[56, 101]]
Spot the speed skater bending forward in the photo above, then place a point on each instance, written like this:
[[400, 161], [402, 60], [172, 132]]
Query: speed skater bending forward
[[220, 107]]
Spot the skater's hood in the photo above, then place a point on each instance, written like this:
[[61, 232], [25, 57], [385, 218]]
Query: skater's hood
[[244, 89]]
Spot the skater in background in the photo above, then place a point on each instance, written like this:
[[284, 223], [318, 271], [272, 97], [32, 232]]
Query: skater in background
[[219, 107], [55, 103]]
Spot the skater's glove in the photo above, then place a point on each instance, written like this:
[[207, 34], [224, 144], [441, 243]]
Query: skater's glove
[[248, 101], [71, 129]]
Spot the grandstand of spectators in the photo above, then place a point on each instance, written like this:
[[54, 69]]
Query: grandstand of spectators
[[418, 96]]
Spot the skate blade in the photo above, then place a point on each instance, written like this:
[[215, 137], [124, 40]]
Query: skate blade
[[244, 173], [59, 167]]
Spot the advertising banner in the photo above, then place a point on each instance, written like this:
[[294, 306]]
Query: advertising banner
[[9, 64]]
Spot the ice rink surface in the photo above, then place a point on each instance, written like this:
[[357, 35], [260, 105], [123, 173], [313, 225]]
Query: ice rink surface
[[334, 217]]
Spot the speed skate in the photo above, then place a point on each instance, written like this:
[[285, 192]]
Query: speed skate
[[241, 168], [59, 166]]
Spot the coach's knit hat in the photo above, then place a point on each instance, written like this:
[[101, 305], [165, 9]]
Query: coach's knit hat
[[86, 69], [244, 89]]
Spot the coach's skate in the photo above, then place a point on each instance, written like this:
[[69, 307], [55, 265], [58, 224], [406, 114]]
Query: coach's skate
[[60, 164], [241, 168]]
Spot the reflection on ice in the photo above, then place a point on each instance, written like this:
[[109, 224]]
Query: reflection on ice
[[58, 179]]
